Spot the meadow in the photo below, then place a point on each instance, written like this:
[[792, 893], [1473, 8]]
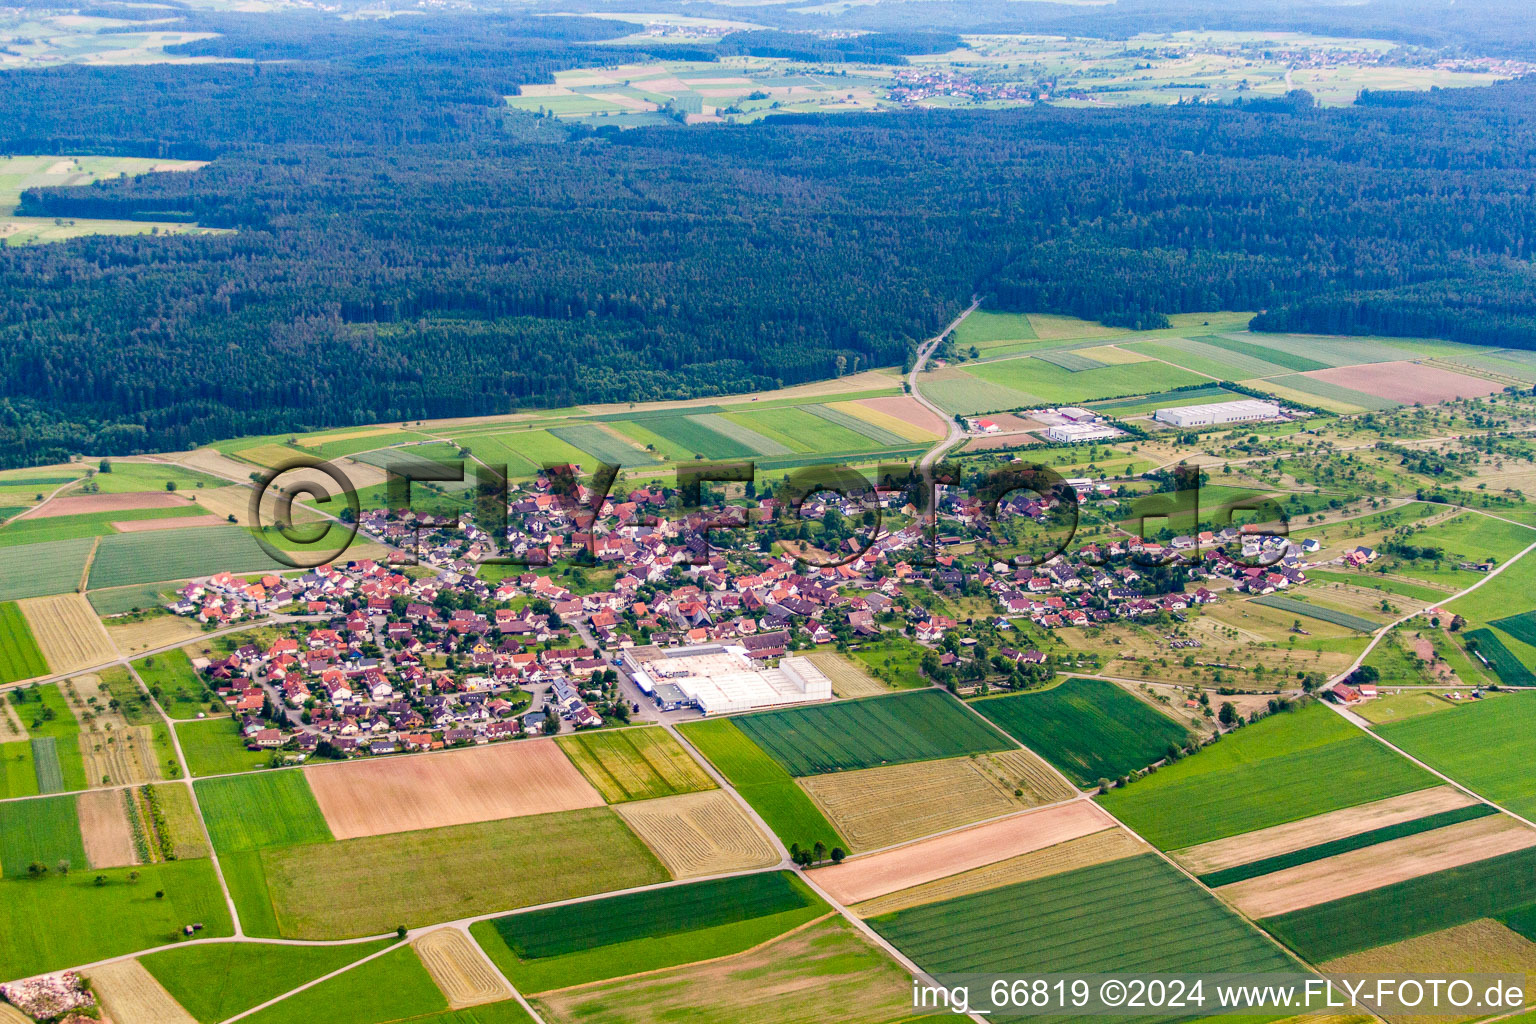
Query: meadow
[[1487, 888], [215, 982], [261, 810], [1484, 745], [1136, 913], [247, 881], [763, 783], [37, 932], [736, 428], [1043, 383], [913, 726], [635, 764], [20, 657], [18, 775], [391, 987], [1509, 668], [42, 832], [603, 446], [659, 929], [1211, 360], [129, 558], [55, 733], [688, 433], [1088, 728], [41, 570], [171, 678], [214, 746], [1288, 766]]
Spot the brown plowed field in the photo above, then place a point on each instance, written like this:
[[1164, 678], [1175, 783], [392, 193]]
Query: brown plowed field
[[864, 878], [460, 969], [105, 829], [1323, 828], [130, 995], [1407, 381], [1099, 848], [80, 504], [176, 523], [68, 632], [1376, 866], [456, 787], [879, 807], [697, 834], [910, 411]]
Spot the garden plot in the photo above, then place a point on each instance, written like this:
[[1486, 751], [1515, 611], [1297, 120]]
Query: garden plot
[[878, 807], [68, 632], [456, 787], [696, 834], [864, 878]]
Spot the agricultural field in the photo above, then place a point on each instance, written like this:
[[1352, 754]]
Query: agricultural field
[[130, 558], [128, 994], [453, 787], [1484, 745], [42, 832], [763, 783], [45, 712], [394, 986], [122, 738], [49, 523], [67, 631], [170, 677], [214, 746], [603, 446], [696, 834], [1136, 913], [1313, 610], [647, 931], [1401, 707], [1043, 384], [635, 764], [862, 734], [1497, 655], [460, 969], [1088, 728], [152, 630], [849, 679], [215, 982], [31, 940], [262, 810], [825, 972], [178, 835], [1288, 766], [422, 877], [105, 829], [20, 656], [878, 807], [64, 37], [1479, 946]]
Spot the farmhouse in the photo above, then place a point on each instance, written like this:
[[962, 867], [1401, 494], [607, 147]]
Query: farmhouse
[[720, 679]]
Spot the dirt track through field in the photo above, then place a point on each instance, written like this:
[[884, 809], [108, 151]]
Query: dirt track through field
[[1385, 864], [129, 994], [104, 827], [68, 632], [1323, 828], [83, 504], [460, 969], [456, 787], [864, 878], [698, 834]]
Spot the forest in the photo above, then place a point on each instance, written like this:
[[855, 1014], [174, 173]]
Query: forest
[[406, 246]]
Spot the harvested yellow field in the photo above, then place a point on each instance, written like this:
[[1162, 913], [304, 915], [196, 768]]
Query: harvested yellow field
[[460, 969], [130, 995], [115, 753], [1113, 355], [1099, 848], [902, 428], [863, 878], [455, 787], [699, 833], [848, 677], [346, 435], [878, 807], [1376, 866], [10, 1015], [1322, 828], [179, 827], [153, 633], [68, 632], [1477, 947], [104, 827]]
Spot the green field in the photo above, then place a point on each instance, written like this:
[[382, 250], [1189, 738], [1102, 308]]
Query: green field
[[1135, 914], [39, 922], [175, 684], [41, 570], [19, 656], [1293, 606], [218, 981], [879, 435], [392, 987], [1359, 841], [635, 764], [45, 712], [247, 880], [1429, 903], [1372, 581], [1275, 356], [1211, 360], [18, 776], [575, 945], [1522, 627], [985, 327], [261, 810], [918, 725], [1051, 385], [1511, 671], [92, 524], [966, 395], [1286, 767], [130, 558], [1485, 746], [524, 451], [120, 600], [687, 432], [1088, 728], [737, 430], [44, 832], [1151, 403], [896, 661], [129, 477], [602, 445], [214, 746], [418, 878], [763, 783], [1327, 350]]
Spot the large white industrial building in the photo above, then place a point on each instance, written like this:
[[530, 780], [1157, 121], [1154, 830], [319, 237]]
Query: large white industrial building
[[1218, 412], [721, 679], [1071, 433]]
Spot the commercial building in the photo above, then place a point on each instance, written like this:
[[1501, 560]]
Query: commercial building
[[719, 679], [1070, 433], [1219, 412]]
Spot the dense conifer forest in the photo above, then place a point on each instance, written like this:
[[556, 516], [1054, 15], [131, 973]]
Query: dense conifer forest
[[406, 246]]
